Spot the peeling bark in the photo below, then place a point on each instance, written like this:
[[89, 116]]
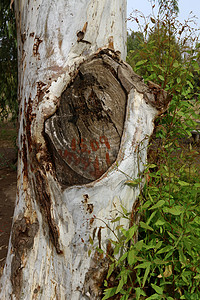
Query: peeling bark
[[23, 234], [85, 123]]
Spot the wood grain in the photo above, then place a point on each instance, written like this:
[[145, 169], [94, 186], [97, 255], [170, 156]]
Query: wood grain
[[86, 130]]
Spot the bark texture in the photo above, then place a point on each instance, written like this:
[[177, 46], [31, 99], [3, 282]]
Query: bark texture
[[85, 122], [86, 129]]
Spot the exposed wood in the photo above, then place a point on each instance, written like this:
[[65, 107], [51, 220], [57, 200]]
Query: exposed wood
[[86, 129]]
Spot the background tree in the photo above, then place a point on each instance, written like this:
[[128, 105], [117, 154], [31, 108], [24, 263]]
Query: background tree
[[171, 6], [168, 57], [8, 61], [134, 41]]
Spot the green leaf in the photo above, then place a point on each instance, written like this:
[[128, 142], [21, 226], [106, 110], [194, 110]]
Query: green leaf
[[146, 274], [143, 265], [197, 185], [91, 240], [116, 249], [151, 217], [151, 166], [197, 220], [158, 245], [132, 183], [125, 296], [159, 261], [122, 281], [182, 257], [158, 289], [139, 292], [141, 62], [132, 257], [146, 204], [145, 226], [161, 77], [129, 233], [154, 296], [150, 197], [160, 223], [109, 293], [123, 257], [119, 226], [99, 250], [116, 220], [172, 236], [165, 249], [195, 65], [110, 270], [160, 203], [183, 183], [124, 209], [190, 85], [176, 211], [176, 64], [139, 245]]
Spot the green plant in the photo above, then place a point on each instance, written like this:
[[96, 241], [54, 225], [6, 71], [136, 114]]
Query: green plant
[[8, 62], [167, 52], [164, 262]]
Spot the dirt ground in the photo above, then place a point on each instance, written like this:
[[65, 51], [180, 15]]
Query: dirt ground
[[8, 182], [7, 202]]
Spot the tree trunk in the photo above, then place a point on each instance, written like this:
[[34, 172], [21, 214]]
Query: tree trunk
[[85, 122]]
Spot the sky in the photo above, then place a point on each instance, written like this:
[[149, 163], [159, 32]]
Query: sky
[[185, 7]]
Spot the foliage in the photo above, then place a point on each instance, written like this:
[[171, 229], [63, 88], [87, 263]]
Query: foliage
[[170, 5], [168, 54], [8, 61], [164, 262], [134, 41]]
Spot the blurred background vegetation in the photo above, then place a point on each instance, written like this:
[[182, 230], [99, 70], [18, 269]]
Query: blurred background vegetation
[[8, 62], [167, 52]]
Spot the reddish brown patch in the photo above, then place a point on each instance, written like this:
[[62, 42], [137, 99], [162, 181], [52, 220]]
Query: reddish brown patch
[[36, 46], [24, 157], [86, 198], [40, 90], [90, 208], [44, 199], [92, 221], [29, 119]]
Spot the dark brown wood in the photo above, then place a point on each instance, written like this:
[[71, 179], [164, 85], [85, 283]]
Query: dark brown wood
[[85, 132]]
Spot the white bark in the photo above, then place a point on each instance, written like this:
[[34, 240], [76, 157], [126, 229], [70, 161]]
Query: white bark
[[48, 250]]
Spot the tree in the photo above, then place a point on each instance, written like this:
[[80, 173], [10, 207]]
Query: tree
[[134, 41], [85, 121], [8, 61], [172, 5]]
